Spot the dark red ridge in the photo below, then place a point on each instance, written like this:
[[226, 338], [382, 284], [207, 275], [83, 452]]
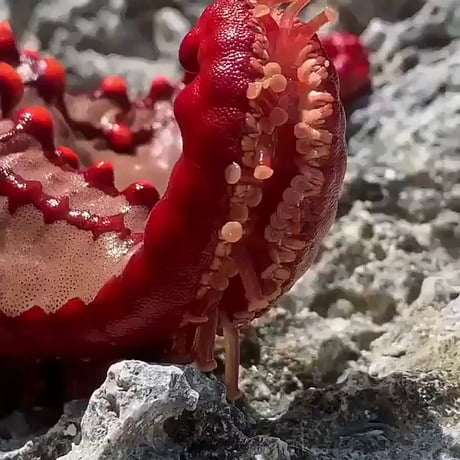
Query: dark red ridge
[[21, 192]]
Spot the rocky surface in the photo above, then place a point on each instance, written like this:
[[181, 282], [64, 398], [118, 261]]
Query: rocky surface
[[361, 360], [165, 412]]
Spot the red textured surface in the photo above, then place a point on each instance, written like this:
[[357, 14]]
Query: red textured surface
[[351, 60], [144, 306]]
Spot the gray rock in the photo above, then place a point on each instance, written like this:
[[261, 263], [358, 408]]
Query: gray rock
[[89, 24], [341, 309], [355, 15], [169, 29], [403, 142], [125, 416], [300, 348], [165, 412], [434, 343], [4, 10]]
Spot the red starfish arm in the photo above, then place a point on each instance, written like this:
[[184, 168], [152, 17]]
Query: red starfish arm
[[248, 202]]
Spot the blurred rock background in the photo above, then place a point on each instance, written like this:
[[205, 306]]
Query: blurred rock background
[[361, 360], [94, 38], [138, 39]]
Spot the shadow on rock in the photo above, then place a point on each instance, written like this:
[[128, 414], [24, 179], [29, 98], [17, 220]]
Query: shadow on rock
[[403, 416]]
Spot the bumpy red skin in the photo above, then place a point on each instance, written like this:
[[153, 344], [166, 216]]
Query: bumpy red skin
[[142, 309], [227, 79]]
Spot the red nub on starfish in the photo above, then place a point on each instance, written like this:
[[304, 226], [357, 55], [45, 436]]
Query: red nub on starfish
[[38, 122], [114, 86], [142, 194], [101, 176], [69, 157], [11, 87], [352, 62], [53, 79], [161, 89], [8, 48], [120, 137]]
